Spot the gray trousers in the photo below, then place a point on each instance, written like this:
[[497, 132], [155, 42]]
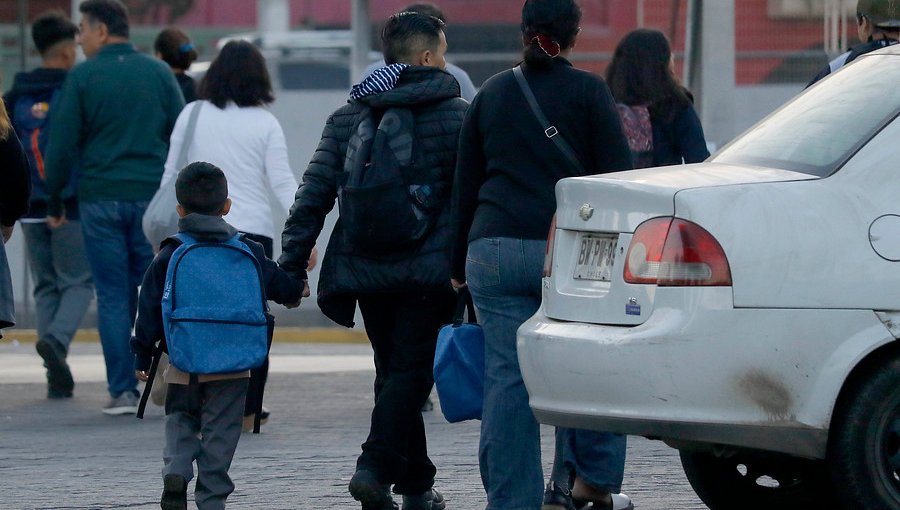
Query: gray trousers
[[203, 423], [62, 279]]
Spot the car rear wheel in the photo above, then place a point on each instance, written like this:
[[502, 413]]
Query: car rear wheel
[[864, 442], [745, 481]]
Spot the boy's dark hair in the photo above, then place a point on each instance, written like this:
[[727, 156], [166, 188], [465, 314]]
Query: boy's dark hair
[[111, 13], [557, 19], [51, 28], [426, 8], [201, 188], [407, 33], [238, 74], [175, 48]]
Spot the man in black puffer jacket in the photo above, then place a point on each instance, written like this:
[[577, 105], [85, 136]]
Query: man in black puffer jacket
[[403, 292]]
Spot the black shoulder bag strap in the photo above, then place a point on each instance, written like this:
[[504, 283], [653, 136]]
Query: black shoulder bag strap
[[549, 130]]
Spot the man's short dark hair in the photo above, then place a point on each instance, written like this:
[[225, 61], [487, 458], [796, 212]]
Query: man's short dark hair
[[51, 28], [201, 188], [428, 9], [407, 33], [111, 13]]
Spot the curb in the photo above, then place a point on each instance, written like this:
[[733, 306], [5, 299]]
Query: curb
[[285, 335]]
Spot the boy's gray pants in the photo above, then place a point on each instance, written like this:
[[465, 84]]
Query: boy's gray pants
[[203, 422]]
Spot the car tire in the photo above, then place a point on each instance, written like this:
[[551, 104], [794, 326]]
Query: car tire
[[864, 441], [747, 481]]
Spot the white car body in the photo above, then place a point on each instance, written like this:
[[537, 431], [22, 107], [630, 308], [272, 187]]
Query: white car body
[[758, 364]]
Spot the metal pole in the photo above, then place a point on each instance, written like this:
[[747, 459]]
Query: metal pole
[[362, 39], [689, 35], [640, 13]]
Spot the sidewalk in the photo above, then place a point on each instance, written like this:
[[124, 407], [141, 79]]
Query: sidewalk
[[67, 455]]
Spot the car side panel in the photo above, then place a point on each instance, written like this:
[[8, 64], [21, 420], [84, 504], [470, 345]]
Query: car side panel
[[699, 360]]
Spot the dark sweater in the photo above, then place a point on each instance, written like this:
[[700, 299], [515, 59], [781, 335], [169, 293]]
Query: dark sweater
[[148, 329], [680, 138], [507, 168], [15, 180], [117, 111]]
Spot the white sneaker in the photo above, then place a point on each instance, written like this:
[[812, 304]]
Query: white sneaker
[[621, 502], [126, 403]]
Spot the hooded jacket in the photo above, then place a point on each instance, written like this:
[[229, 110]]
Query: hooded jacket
[[148, 329], [40, 84], [433, 97]]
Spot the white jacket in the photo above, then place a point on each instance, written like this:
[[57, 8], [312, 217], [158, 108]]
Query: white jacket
[[248, 145]]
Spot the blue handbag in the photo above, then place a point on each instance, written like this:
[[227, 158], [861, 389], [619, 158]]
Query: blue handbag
[[459, 364]]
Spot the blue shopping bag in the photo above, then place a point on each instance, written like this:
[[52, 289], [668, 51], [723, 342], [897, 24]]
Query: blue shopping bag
[[459, 364]]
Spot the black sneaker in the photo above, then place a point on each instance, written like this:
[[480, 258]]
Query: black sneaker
[[174, 496], [374, 495], [59, 378], [428, 500]]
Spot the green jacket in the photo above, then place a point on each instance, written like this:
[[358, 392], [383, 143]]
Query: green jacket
[[115, 114]]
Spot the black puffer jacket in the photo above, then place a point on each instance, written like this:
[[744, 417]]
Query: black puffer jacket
[[433, 96]]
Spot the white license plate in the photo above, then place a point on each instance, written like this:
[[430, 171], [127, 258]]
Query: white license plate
[[596, 255]]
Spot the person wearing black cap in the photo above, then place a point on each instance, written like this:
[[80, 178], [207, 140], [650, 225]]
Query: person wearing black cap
[[878, 26]]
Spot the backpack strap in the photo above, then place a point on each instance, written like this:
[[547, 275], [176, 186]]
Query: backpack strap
[[549, 129], [154, 367]]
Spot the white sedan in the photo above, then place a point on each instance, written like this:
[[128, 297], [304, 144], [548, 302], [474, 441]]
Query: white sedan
[[744, 310]]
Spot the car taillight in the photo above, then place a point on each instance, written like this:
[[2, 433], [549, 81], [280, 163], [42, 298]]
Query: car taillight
[[675, 252], [548, 254]]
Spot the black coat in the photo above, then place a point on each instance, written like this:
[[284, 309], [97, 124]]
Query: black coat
[[433, 96]]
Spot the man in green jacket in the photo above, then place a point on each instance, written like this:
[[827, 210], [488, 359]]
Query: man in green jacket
[[115, 114]]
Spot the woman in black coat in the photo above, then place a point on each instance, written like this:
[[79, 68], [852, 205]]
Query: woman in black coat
[[15, 192]]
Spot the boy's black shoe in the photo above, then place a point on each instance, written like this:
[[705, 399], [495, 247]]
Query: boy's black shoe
[[59, 378], [174, 496], [428, 500], [374, 495]]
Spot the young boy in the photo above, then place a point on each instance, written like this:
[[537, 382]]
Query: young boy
[[204, 413]]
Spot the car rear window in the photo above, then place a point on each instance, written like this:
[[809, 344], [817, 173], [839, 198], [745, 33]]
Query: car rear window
[[820, 129]]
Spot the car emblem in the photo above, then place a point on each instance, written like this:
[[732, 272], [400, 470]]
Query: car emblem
[[586, 212]]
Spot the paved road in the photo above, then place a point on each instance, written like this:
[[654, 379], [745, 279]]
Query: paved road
[[67, 455]]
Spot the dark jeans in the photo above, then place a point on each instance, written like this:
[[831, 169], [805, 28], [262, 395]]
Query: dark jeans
[[258, 376], [403, 330], [119, 254]]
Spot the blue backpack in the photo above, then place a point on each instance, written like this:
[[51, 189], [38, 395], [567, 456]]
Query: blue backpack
[[30, 115], [214, 307]]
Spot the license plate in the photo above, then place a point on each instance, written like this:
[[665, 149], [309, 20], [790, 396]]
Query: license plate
[[596, 255]]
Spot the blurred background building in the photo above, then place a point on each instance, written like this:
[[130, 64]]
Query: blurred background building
[[741, 58]]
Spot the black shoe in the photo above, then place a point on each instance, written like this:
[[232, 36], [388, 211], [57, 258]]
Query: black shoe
[[59, 378], [374, 495], [558, 498], [174, 496], [428, 500]]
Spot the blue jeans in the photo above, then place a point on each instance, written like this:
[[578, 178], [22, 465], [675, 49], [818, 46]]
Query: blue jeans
[[504, 276], [119, 254], [62, 279]]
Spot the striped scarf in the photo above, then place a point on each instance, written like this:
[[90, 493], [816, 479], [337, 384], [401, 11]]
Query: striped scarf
[[381, 80]]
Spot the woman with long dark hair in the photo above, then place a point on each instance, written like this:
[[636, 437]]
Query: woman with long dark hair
[[503, 204], [641, 75], [235, 131]]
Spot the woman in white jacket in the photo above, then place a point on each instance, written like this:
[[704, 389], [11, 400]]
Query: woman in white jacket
[[236, 132]]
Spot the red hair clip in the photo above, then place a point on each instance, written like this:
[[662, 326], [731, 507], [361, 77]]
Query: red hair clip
[[545, 41]]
